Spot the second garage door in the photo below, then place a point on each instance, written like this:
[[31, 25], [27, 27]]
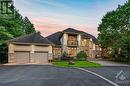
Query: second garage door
[[21, 57], [41, 57]]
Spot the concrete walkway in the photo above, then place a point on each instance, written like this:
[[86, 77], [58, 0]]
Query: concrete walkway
[[106, 63]]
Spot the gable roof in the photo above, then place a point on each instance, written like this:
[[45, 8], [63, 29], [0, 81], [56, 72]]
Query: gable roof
[[55, 38], [71, 30], [31, 38]]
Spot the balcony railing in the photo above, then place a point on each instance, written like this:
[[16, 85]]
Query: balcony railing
[[72, 43]]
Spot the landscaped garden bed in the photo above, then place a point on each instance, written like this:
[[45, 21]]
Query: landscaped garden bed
[[76, 64]]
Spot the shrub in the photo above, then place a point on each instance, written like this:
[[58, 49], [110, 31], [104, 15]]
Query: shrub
[[64, 56], [81, 55], [71, 62]]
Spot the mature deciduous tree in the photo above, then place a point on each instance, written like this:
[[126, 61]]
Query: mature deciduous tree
[[115, 32]]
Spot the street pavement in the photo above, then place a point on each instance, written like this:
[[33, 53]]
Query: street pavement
[[39, 75], [110, 72]]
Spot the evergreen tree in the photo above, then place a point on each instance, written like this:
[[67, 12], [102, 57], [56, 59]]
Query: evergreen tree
[[11, 28]]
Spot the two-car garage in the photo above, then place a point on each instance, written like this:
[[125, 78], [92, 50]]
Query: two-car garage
[[22, 57], [24, 50]]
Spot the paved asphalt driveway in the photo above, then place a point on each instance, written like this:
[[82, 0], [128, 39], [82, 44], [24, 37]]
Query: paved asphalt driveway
[[55, 76]]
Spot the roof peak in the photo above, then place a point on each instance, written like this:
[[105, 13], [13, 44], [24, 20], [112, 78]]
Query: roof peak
[[71, 30]]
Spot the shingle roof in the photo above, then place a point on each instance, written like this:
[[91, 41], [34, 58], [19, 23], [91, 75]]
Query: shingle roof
[[55, 38], [31, 38]]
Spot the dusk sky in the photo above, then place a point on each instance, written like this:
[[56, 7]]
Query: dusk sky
[[49, 16]]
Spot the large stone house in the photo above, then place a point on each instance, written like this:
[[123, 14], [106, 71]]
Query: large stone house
[[34, 48], [72, 41]]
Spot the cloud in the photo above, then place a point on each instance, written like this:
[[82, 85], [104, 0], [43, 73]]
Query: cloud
[[50, 3], [49, 26], [65, 18]]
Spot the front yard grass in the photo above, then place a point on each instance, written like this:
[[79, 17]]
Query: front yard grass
[[77, 64]]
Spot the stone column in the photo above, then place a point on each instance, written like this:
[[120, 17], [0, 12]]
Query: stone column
[[90, 47], [10, 53], [79, 43], [79, 40], [94, 50], [50, 56], [32, 59], [65, 39]]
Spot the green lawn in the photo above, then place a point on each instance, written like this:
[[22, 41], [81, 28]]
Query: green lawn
[[77, 64]]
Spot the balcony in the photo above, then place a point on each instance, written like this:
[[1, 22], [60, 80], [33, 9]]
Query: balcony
[[72, 43]]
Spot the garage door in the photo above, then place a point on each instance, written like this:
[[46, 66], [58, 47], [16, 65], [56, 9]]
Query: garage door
[[41, 57], [21, 57]]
